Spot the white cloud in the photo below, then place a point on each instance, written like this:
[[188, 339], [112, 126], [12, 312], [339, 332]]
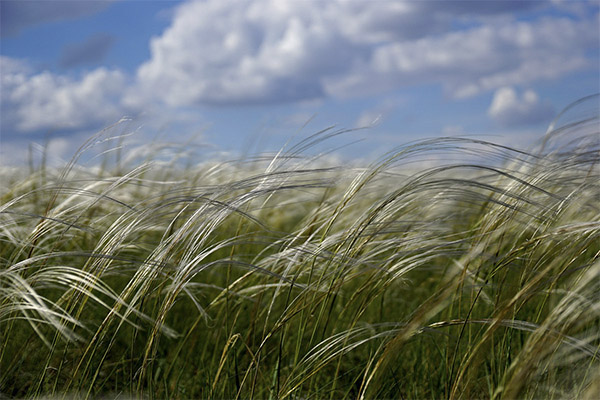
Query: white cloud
[[480, 59], [222, 52], [271, 51], [13, 73], [510, 109], [47, 101]]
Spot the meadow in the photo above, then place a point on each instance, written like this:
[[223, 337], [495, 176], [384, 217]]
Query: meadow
[[447, 268]]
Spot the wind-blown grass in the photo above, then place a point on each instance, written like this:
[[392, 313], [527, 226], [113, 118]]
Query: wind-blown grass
[[289, 277]]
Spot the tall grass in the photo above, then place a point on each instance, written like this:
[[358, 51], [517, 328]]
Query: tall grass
[[290, 277]]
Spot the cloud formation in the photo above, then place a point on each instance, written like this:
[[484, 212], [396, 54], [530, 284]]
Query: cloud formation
[[37, 101], [15, 15], [480, 59], [220, 52], [267, 51], [92, 50], [510, 110]]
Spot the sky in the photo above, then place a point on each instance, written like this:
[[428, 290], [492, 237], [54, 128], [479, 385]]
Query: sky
[[248, 76]]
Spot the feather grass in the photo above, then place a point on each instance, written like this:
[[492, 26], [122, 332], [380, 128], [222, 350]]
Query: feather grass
[[291, 277]]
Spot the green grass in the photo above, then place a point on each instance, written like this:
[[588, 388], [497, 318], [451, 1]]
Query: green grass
[[290, 277]]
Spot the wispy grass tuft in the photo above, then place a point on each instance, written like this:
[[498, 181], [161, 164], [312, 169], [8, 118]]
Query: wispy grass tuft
[[289, 276]]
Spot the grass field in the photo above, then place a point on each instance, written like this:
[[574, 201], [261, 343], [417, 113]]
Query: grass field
[[287, 276]]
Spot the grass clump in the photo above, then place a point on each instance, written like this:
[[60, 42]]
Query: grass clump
[[290, 277]]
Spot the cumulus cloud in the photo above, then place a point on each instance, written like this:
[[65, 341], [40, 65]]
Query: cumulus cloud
[[220, 52], [510, 110], [35, 101], [92, 50], [16, 15], [270, 51], [471, 61]]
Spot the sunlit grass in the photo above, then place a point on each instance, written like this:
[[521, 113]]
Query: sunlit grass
[[292, 277]]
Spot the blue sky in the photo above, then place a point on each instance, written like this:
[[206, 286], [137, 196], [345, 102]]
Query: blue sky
[[234, 74]]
